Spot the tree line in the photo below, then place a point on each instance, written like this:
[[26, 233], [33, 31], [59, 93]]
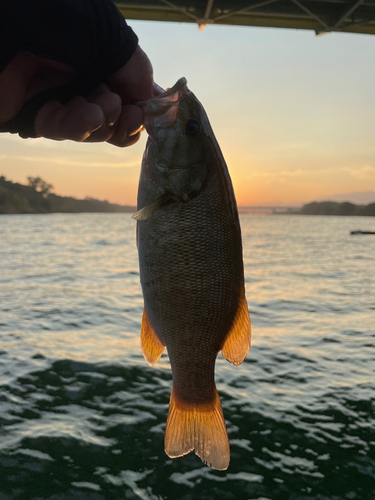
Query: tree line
[[335, 208], [37, 198]]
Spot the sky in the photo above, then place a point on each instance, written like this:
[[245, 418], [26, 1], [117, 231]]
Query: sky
[[293, 114]]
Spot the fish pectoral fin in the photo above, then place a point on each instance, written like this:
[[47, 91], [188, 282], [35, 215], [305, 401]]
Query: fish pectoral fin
[[152, 347], [146, 212], [198, 427], [237, 342]]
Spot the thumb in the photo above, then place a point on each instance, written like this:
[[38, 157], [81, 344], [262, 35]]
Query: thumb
[[134, 81]]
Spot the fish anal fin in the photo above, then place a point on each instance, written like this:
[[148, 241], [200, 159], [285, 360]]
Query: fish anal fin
[[198, 427], [237, 342], [152, 347]]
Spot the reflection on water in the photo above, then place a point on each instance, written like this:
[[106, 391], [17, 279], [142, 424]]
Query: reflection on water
[[82, 416]]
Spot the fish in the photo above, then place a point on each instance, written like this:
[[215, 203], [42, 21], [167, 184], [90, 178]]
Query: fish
[[191, 269]]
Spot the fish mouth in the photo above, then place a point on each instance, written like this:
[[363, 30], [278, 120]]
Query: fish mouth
[[181, 82], [161, 110], [161, 93]]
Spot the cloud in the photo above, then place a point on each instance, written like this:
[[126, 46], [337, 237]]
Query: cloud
[[295, 145], [69, 162], [282, 173], [364, 172]]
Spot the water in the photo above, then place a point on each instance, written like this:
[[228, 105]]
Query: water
[[82, 416]]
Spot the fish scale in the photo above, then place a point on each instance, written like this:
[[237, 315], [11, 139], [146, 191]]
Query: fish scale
[[185, 266], [191, 269]]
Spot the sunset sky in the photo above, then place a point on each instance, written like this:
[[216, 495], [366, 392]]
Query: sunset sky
[[293, 114]]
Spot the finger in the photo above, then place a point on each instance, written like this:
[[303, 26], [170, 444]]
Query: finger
[[75, 121], [134, 81], [110, 104], [124, 143], [25, 76], [157, 90], [14, 81], [128, 127]]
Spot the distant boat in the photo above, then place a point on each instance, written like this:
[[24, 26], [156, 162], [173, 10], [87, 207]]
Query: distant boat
[[362, 232]]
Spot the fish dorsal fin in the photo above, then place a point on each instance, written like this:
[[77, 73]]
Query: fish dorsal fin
[[198, 427], [146, 212], [237, 341], [152, 347]]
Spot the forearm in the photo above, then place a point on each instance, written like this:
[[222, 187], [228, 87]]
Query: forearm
[[90, 36], [56, 56]]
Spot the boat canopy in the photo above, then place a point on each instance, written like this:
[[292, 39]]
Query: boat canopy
[[321, 16]]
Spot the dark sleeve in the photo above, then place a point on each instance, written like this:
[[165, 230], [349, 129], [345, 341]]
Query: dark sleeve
[[91, 36]]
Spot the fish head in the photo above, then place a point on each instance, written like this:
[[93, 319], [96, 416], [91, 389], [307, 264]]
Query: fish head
[[178, 150]]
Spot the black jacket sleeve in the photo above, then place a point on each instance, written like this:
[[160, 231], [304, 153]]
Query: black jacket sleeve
[[91, 36]]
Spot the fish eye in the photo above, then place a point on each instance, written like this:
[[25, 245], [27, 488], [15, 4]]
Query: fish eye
[[192, 127]]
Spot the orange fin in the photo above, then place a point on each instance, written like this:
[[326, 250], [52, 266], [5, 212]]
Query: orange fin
[[152, 348], [199, 427], [237, 341]]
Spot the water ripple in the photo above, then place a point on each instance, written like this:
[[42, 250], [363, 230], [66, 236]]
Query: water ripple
[[82, 416]]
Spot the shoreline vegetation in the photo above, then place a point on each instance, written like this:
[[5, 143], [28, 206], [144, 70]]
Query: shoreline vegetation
[[335, 208], [37, 198]]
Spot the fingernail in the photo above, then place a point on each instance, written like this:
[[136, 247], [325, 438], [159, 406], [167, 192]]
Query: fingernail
[[139, 129], [94, 129]]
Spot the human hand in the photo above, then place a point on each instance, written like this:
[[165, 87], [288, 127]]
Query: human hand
[[106, 114]]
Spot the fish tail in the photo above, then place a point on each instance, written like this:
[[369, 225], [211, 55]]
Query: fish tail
[[198, 427]]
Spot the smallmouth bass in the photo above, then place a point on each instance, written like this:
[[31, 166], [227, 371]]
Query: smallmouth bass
[[191, 269]]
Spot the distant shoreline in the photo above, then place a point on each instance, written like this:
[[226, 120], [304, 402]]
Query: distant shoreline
[[316, 208], [36, 198], [335, 208]]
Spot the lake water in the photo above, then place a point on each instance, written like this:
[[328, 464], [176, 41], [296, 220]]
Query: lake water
[[82, 416]]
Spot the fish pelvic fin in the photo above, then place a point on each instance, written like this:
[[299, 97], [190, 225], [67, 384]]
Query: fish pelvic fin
[[198, 427], [237, 342], [146, 212], [152, 347]]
